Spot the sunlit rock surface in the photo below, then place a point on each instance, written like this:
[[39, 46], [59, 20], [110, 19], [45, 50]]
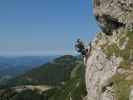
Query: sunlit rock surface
[[113, 14], [109, 67]]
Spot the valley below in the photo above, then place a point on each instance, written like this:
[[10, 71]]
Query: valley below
[[58, 79], [11, 67]]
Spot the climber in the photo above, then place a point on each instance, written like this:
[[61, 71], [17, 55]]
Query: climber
[[80, 47]]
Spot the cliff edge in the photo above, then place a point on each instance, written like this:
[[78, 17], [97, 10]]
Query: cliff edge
[[109, 65]]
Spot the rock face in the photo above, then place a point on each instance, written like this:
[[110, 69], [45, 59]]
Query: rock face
[[113, 14], [109, 65], [109, 68]]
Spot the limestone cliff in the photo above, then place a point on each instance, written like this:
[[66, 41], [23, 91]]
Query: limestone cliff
[[112, 14], [109, 68], [109, 65]]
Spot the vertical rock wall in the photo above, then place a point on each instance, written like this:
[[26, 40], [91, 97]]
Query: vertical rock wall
[[109, 68], [109, 65]]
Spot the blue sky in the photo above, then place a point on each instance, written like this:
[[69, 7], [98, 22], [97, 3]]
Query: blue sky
[[44, 26]]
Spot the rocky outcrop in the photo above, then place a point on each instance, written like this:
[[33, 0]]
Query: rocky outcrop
[[109, 57], [109, 67], [113, 14]]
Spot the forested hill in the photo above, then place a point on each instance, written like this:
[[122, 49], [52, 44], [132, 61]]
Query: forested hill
[[53, 73], [62, 79]]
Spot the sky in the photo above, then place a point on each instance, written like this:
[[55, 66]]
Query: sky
[[37, 27]]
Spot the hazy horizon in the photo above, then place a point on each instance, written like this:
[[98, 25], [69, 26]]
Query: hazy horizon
[[20, 54]]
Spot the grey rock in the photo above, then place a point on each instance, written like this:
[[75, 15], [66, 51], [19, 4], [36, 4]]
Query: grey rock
[[113, 14], [131, 93], [100, 68]]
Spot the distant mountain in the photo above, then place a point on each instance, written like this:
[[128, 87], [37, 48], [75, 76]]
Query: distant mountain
[[52, 73], [25, 60], [14, 66], [64, 78]]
